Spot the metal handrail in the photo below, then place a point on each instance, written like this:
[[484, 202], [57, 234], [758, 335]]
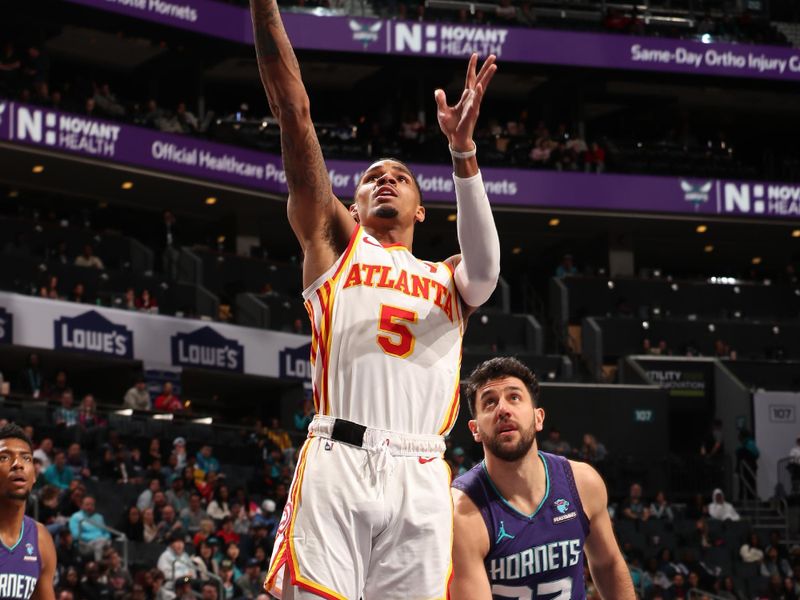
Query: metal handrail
[[752, 492], [120, 536], [216, 578]]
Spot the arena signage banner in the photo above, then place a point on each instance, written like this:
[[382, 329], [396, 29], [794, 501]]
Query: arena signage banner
[[156, 340], [201, 159], [449, 40], [207, 349], [776, 430]]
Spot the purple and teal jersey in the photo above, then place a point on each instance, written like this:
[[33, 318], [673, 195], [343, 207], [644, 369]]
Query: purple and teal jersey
[[20, 564], [537, 556]]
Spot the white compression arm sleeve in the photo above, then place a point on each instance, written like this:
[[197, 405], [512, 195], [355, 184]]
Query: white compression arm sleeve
[[476, 275]]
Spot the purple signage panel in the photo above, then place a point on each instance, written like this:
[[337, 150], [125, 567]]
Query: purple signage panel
[[452, 40], [172, 153]]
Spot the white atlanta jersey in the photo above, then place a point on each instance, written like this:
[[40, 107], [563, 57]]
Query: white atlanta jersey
[[386, 339]]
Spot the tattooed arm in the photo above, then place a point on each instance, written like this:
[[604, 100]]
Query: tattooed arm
[[321, 223]]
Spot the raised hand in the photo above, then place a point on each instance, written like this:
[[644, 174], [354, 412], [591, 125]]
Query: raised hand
[[458, 122]]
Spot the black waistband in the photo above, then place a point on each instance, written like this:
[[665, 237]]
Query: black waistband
[[348, 432]]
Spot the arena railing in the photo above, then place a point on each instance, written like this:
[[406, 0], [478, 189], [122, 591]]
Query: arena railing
[[120, 537]]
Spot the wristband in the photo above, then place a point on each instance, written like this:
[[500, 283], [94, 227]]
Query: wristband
[[468, 154]]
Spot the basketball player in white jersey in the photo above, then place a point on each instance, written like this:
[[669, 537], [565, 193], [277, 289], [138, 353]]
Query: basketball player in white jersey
[[369, 514]]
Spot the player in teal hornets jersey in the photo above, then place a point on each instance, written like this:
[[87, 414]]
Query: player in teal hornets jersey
[[27, 554], [524, 518]]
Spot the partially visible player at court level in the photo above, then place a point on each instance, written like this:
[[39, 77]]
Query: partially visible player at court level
[[370, 513], [524, 518], [27, 553]]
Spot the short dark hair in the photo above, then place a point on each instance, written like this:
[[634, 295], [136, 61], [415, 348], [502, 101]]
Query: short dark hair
[[14, 431], [497, 368]]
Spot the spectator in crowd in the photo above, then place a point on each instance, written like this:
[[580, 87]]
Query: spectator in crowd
[[696, 508], [752, 551], [194, 514], [555, 445], [151, 531], [634, 508], [185, 121], [170, 523], [250, 583], [219, 508], [146, 302], [204, 560], [303, 417], [137, 397], [242, 522], [592, 451], [88, 259], [153, 452], [48, 510], [31, 379], [179, 451], [88, 529], [174, 562], [205, 461], [747, 464], [132, 525], [209, 591], [59, 474], [107, 103], [226, 572], [78, 294], [226, 532], [93, 585], [69, 582], [90, 424], [566, 267], [59, 253], [72, 500], [66, 415], [278, 436], [794, 466], [145, 499], [183, 589], [44, 452], [459, 465], [720, 509], [206, 531], [774, 566], [118, 575], [595, 159], [58, 386], [661, 509], [167, 401], [177, 495], [77, 461]]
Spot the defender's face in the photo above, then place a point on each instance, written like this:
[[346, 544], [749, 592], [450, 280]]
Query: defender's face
[[506, 421], [17, 474], [387, 192]]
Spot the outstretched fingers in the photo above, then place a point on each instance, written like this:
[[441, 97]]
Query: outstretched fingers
[[471, 68], [488, 69]]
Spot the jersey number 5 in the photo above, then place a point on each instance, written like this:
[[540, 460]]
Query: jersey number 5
[[399, 341]]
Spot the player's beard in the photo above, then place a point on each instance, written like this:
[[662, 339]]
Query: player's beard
[[514, 453], [386, 211]]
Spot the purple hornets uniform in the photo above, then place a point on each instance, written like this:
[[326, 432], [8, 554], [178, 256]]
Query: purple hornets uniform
[[538, 556], [20, 564]]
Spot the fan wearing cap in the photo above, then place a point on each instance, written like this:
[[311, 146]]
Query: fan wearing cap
[[183, 588], [251, 581], [226, 573], [179, 450], [174, 562]]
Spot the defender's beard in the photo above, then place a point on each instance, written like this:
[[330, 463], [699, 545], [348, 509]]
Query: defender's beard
[[18, 495], [515, 452]]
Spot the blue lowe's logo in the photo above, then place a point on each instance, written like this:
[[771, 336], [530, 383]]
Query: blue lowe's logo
[[295, 363], [92, 332], [207, 349], [561, 505], [6, 327]]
